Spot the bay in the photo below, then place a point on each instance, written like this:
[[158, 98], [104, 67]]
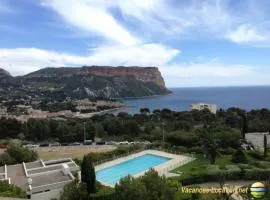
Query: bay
[[253, 97]]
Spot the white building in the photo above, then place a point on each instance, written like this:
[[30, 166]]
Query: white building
[[201, 106], [41, 179], [257, 139]]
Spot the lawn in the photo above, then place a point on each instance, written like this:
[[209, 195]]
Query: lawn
[[201, 164]]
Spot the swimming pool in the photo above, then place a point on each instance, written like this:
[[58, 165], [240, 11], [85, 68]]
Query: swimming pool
[[113, 174]]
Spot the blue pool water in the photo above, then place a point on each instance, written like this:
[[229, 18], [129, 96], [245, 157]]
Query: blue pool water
[[131, 167]]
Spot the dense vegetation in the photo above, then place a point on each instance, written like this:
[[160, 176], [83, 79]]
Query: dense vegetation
[[16, 153], [181, 128], [8, 190], [59, 83]]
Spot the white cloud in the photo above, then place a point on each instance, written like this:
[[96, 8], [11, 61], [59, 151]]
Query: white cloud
[[154, 18], [213, 73], [247, 33], [92, 16], [24, 60], [209, 18]]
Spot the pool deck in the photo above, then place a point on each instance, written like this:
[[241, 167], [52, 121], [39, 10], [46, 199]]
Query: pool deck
[[162, 169]]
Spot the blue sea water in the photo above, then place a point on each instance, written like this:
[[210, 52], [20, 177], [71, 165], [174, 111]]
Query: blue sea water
[[112, 175], [225, 97]]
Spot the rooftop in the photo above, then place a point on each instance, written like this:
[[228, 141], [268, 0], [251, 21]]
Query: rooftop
[[40, 175]]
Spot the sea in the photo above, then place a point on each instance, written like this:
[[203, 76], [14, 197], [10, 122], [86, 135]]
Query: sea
[[248, 98]]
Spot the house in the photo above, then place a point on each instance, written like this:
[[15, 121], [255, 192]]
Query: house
[[41, 179], [201, 106], [257, 139]]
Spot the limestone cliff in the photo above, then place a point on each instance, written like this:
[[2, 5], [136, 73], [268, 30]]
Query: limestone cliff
[[145, 74], [92, 82]]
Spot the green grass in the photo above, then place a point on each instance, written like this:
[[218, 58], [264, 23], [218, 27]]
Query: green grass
[[224, 160], [200, 164], [197, 165]]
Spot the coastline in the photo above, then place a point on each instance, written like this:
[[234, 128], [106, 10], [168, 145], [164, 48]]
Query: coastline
[[146, 97]]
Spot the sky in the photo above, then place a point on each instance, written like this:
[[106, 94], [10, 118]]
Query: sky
[[194, 43]]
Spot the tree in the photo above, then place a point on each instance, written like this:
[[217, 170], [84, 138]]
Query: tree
[[244, 125], [99, 130], [130, 188], [90, 130], [88, 175], [211, 144], [73, 191], [149, 187], [144, 111], [16, 153], [132, 128], [157, 187], [265, 145], [212, 152]]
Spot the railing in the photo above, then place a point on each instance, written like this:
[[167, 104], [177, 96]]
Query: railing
[[142, 149], [118, 156]]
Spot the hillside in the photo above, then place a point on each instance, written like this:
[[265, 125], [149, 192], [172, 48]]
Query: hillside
[[94, 81]]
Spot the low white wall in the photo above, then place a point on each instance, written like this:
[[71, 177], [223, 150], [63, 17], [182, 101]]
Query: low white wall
[[47, 195], [162, 169]]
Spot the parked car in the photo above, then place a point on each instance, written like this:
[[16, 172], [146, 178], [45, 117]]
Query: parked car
[[87, 142], [55, 144], [75, 144], [3, 146], [31, 146], [44, 145], [123, 143], [111, 143], [100, 143]]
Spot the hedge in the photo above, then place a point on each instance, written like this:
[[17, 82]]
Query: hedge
[[104, 194], [232, 174]]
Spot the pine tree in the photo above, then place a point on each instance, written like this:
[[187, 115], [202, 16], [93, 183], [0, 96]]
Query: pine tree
[[244, 125], [88, 175], [265, 145]]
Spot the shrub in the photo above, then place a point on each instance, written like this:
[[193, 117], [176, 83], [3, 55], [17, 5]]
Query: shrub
[[7, 190], [239, 157], [212, 169], [181, 149], [227, 151], [257, 174], [16, 153], [231, 168], [197, 150], [242, 174], [262, 164], [105, 193], [256, 154], [245, 166], [96, 157]]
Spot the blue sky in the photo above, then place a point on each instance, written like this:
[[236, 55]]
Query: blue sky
[[194, 43]]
